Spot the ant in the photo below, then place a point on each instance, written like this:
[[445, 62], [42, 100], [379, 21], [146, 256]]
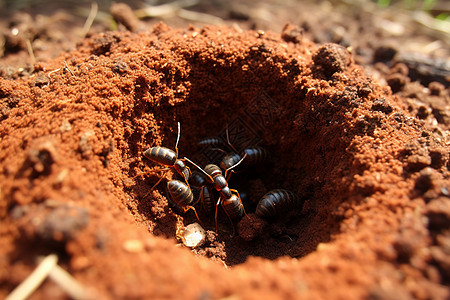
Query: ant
[[169, 158], [276, 202], [181, 195], [231, 203], [199, 182], [255, 155]]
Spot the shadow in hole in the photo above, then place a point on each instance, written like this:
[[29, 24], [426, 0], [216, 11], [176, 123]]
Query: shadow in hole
[[280, 238], [304, 135], [294, 234]]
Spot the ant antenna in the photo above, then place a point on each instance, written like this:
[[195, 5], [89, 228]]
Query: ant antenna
[[204, 172], [236, 164], [228, 140], [230, 168], [178, 138], [215, 214], [218, 149]]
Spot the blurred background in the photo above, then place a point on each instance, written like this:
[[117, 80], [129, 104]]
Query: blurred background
[[415, 32]]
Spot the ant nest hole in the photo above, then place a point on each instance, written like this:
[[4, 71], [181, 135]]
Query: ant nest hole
[[293, 102]]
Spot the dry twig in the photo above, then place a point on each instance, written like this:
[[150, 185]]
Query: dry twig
[[90, 19], [34, 280], [48, 267]]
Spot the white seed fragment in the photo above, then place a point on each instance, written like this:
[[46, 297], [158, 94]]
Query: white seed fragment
[[133, 246], [192, 235]]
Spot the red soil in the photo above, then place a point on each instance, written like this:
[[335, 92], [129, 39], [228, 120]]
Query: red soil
[[74, 181]]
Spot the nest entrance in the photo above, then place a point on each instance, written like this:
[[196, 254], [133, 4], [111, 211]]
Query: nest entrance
[[276, 112]]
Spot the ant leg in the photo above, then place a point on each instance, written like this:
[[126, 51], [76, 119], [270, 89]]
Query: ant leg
[[235, 165], [218, 149], [228, 140], [151, 189], [185, 178], [229, 175], [195, 211], [151, 172], [200, 198], [189, 169], [229, 218], [215, 214], [156, 183], [240, 200]]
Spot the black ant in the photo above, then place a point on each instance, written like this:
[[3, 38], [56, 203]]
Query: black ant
[[169, 158], [198, 182], [277, 202], [181, 195], [231, 203]]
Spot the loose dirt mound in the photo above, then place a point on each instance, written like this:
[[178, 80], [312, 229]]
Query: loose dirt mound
[[74, 181]]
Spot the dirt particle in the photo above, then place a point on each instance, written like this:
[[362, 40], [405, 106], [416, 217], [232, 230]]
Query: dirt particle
[[65, 126], [411, 236], [19, 211], [426, 180], [440, 109], [331, 58], [367, 186], [212, 248], [40, 81], [51, 220], [63, 222], [102, 43], [120, 67], [102, 238], [417, 156], [366, 125], [438, 213], [397, 82], [433, 274], [80, 263], [107, 149], [6, 105], [384, 53], [423, 112], [400, 68], [417, 162], [442, 260], [251, 227], [436, 88], [85, 145], [348, 98], [388, 293], [292, 33], [40, 159], [382, 105], [210, 237], [443, 240], [123, 14], [364, 90]]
